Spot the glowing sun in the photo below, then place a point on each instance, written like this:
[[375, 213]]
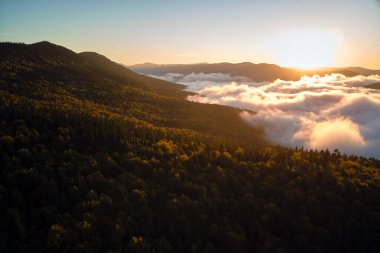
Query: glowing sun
[[307, 49]]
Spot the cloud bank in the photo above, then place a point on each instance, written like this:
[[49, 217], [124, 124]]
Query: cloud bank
[[333, 111], [197, 81]]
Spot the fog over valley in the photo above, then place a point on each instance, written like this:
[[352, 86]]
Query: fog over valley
[[317, 112]]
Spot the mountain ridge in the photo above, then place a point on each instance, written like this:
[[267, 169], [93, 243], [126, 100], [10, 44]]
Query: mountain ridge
[[257, 72]]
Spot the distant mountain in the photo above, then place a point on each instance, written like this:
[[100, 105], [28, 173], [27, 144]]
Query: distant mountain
[[363, 71], [97, 158], [257, 72]]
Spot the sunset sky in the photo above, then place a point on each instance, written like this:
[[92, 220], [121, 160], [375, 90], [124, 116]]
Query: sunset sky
[[303, 34]]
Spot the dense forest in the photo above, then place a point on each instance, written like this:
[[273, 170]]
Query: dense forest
[[97, 158]]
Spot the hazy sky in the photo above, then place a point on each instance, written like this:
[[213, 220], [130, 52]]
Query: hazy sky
[[342, 32]]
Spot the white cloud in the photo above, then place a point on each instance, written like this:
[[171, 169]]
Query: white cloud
[[318, 112], [170, 77], [340, 133], [197, 81], [333, 111]]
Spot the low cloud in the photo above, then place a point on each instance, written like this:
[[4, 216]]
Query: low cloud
[[170, 77], [317, 112], [340, 133], [333, 111], [197, 81]]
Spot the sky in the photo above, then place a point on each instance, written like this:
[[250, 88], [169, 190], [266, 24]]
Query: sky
[[295, 33]]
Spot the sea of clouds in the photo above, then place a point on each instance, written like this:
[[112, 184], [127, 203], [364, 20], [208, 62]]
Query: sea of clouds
[[332, 111]]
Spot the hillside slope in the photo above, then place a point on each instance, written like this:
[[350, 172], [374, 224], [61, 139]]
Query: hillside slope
[[95, 158], [374, 86], [44, 70]]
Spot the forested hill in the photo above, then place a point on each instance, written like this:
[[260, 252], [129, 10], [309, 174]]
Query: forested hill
[[47, 72], [96, 158]]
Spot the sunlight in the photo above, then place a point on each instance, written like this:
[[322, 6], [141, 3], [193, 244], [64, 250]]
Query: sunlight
[[307, 49]]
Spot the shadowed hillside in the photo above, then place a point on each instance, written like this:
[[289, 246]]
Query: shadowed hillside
[[374, 86], [44, 70], [96, 158]]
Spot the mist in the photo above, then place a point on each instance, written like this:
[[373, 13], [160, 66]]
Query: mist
[[316, 112], [195, 82]]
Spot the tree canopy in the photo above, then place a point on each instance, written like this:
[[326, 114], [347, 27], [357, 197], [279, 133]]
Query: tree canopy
[[96, 158]]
